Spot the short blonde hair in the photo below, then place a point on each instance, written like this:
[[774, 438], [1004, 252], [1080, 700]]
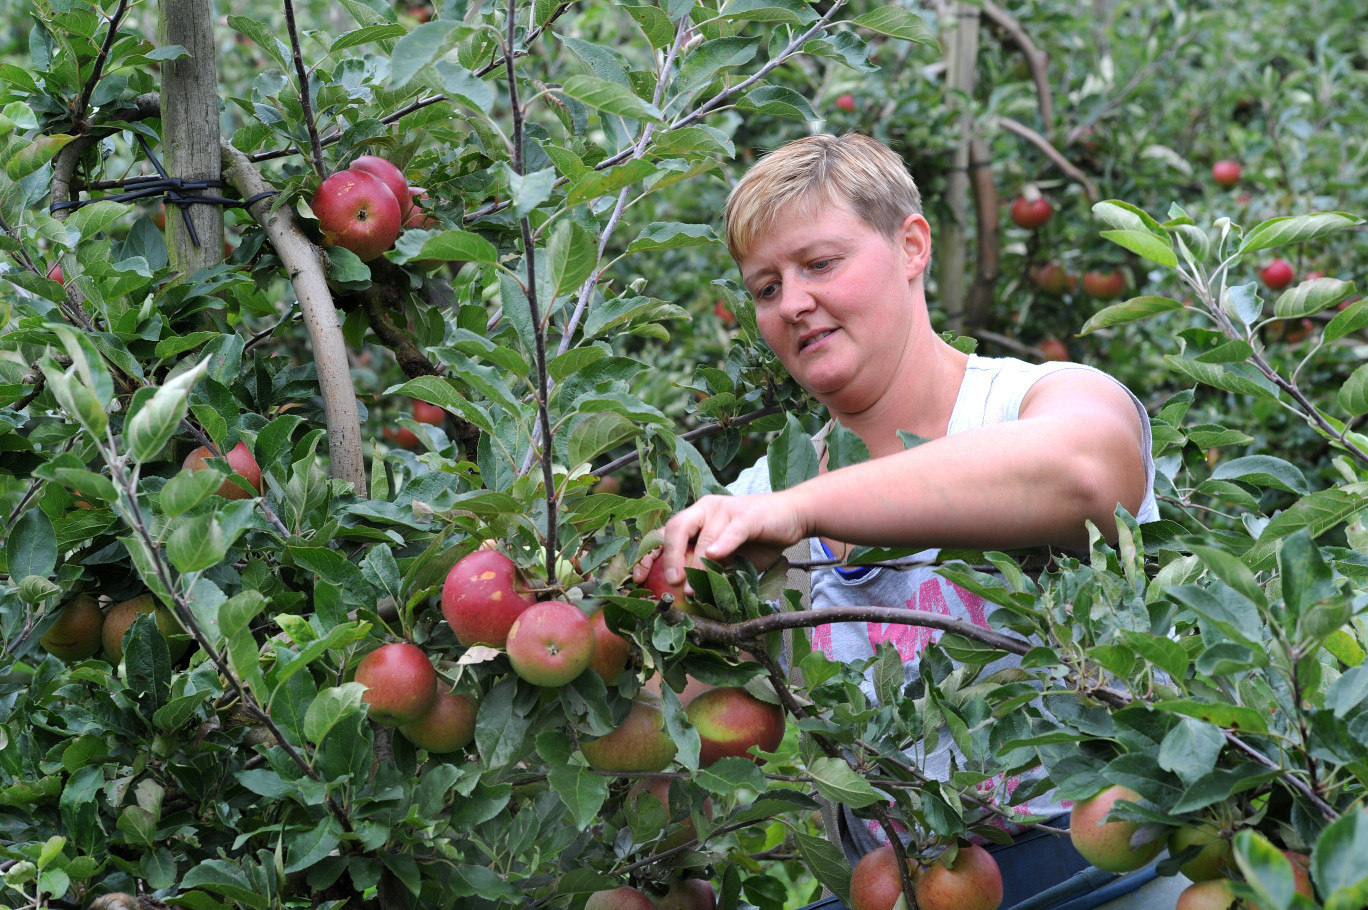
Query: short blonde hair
[[816, 171]]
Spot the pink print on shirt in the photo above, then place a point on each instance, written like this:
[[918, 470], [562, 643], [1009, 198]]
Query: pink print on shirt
[[911, 641]]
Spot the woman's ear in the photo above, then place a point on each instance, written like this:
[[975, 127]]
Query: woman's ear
[[916, 243]]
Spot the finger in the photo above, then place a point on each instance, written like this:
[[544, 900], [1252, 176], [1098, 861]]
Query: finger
[[680, 534], [643, 566]]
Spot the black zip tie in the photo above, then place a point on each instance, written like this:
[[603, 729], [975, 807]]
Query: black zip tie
[[174, 189]]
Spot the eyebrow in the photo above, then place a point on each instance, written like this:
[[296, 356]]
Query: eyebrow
[[800, 253]]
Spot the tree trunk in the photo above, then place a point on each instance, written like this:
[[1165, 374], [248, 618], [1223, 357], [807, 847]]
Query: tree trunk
[[190, 129], [961, 56]]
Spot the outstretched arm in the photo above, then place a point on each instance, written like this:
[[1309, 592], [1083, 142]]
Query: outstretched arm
[[1072, 456]]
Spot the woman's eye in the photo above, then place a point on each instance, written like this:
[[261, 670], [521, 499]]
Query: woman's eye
[[820, 265], [766, 292]]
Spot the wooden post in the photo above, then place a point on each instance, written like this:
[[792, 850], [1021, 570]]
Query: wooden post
[[961, 53], [190, 129]]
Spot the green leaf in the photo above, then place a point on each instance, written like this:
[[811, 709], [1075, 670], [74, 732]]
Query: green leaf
[[1236, 377], [422, 46], [1337, 865], [596, 184], [598, 433], [1230, 717], [827, 864], [1318, 513], [226, 878], [609, 97], [672, 235], [573, 255], [31, 545], [731, 775], [196, 544], [529, 190], [151, 427], [838, 782], [443, 393], [330, 708], [1295, 229], [360, 36], [705, 61], [305, 847], [792, 456], [1264, 867], [188, 489], [29, 157], [1190, 749], [1311, 297], [897, 22], [582, 791], [1349, 320], [1144, 244], [1129, 311], [788, 12], [1263, 471], [1353, 395], [449, 246]]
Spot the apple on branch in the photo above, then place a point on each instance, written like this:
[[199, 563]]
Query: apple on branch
[[75, 634], [448, 725], [239, 458], [551, 643], [400, 683], [482, 597], [730, 721], [969, 881], [640, 743], [1109, 845], [358, 212]]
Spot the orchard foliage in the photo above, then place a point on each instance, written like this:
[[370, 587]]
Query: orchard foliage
[[565, 310]]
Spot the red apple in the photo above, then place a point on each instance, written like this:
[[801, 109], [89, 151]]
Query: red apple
[[623, 898], [730, 720], [239, 459], [974, 882], [610, 650], [875, 883], [400, 683], [846, 102], [358, 212], [1104, 285], [447, 726], [425, 412], [1277, 274], [639, 744], [550, 643], [390, 175], [55, 273], [1207, 865], [656, 584], [609, 484], [1214, 894], [121, 616], [1031, 213], [1053, 278], [692, 688], [1054, 349], [481, 598], [75, 634], [688, 894], [414, 214], [403, 437], [1226, 172], [723, 312], [1107, 845]]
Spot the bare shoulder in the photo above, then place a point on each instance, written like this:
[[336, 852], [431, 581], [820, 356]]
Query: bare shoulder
[[1081, 392]]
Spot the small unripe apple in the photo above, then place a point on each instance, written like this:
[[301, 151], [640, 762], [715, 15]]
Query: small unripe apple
[[482, 597], [730, 721], [1107, 845], [1226, 172], [357, 212], [1277, 274], [875, 883], [624, 898], [550, 643], [1207, 865], [846, 102], [974, 882], [121, 616], [400, 683], [239, 458], [611, 650], [1031, 213], [1104, 285], [639, 744], [75, 634], [447, 726]]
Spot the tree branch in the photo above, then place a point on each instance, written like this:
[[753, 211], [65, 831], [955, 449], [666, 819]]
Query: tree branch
[[1054, 154], [1035, 58], [304, 101]]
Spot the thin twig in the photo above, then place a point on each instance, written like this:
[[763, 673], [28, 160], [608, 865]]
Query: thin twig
[[78, 112], [304, 101], [695, 433], [1054, 154]]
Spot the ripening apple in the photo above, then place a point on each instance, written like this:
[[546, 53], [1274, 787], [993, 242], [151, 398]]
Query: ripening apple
[[426, 412], [1208, 864], [875, 883], [447, 726], [730, 721], [974, 882], [1031, 213], [659, 789], [846, 102], [1301, 876], [655, 581], [357, 212], [611, 650], [550, 643], [1054, 349], [400, 683], [390, 175], [1277, 274], [624, 898], [1104, 285], [1213, 894], [414, 215], [1226, 172], [121, 616], [482, 598], [640, 743], [75, 634], [688, 894], [239, 459], [1053, 278], [55, 273], [1107, 845]]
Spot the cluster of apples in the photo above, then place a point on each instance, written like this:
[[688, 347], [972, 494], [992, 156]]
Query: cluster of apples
[[82, 629], [966, 878], [364, 207]]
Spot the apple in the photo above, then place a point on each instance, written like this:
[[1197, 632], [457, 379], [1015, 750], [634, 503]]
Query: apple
[[447, 726], [1053, 278], [1031, 213], [239, 458], [875, 883], [723, 312], [1214, 894], [730, 720], [611, 650], [1207, 865], [973, 882], [75, 634], [1226, 172], [659, 788], [1104, 285], [609, 484], [55, 273], [1054, 349], [624, 898], [357, 212], [846, 102], [1301, 876], [414, 214], [425, 412], [403, 437], [390, 175], [550, 643], [640, 743], [655, 581], [1107, 845], [481, 598], [688, 894], [1277, 274], [400, 683], [121, 616], [692, 688]]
